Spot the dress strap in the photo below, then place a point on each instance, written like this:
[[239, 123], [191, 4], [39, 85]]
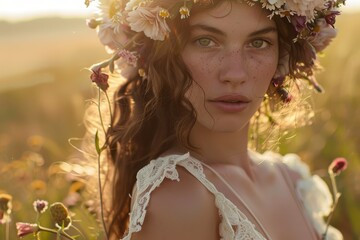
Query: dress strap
[[239, 198], [290, 185]]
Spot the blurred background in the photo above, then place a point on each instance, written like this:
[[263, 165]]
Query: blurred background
[[45, 46]]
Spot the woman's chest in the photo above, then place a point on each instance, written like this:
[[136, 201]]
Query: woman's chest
[[269, 203]]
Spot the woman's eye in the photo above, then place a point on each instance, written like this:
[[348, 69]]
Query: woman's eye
[[205, 42], [258, 43]]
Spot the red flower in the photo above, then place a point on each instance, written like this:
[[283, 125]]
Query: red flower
[[337, 166], [25, 228], [101, 79], [40, 206]]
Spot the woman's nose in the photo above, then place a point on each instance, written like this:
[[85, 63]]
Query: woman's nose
[[233, 67]]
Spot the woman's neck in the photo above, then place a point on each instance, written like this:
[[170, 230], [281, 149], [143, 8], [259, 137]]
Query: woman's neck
[[215, 147]]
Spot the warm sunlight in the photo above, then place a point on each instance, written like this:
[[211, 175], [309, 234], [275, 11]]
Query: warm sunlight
[[15, 10]]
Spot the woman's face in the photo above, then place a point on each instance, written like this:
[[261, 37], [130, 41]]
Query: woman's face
[[232, 55]]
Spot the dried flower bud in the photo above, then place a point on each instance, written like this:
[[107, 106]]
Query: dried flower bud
[[5, 208], [331, 17], [40, 206], [285, 96], [24, 229], [337, 166], [101, 79], [60, 215], [92, 23]]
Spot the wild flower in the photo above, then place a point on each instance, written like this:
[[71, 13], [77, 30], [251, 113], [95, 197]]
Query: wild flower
[[24, 229], [60, 215], [40, 206], [5, 208], [335, 168], [100, 79]]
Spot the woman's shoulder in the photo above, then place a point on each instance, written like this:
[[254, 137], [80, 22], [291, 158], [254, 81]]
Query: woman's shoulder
[[174, 198]]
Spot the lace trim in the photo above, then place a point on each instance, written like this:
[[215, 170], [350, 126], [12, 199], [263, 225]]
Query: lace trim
[[148, 179], [233, 225]]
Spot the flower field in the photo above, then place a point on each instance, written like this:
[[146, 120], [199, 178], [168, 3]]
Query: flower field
[[43, 92]]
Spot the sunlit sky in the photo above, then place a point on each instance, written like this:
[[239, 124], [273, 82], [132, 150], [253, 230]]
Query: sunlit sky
[[15, 10]]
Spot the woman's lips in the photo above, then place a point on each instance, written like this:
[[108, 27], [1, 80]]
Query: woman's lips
[[231, 103]]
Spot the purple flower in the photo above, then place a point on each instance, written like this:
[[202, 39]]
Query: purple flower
[[331, 17], [24, 229], [40, 206], [299, 22], [337, 166], [128, 56], [101, 79]]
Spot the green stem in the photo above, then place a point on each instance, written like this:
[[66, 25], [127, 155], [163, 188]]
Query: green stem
[[336, 200], [99, 110], [101, 199], [108, 100], [58, 233], [7, 230]]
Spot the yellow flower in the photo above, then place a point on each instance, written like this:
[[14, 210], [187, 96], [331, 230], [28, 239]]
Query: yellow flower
[[185, 12], [141, 72], [164, 13]]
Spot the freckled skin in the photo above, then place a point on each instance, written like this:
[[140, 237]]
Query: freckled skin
[[230, 64]]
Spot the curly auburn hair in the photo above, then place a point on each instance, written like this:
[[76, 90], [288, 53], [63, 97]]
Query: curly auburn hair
[[152, 114]]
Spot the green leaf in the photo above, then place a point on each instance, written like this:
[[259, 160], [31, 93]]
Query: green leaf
[[112, 66], [97, 143]]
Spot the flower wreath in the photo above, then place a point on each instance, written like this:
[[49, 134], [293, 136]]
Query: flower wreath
[[313, 21]]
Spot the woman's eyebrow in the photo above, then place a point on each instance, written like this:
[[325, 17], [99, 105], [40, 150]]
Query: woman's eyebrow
[[207, 28], [220, 32], [264, 31]]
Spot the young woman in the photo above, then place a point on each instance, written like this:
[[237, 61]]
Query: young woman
[[196, 77]]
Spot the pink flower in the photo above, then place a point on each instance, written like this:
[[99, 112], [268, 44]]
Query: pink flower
[[40, 206], [111, 37], [25, 228], [148, 20], [101, 79], [128, 56], [299, 22], [305, 7], [324, 35], [337, 166]]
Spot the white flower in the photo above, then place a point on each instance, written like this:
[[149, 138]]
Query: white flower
[[132, 5], [323, 38], [294, 162], [147, 20], [305, 7], [272, 4], [316, 196], [184, 12]]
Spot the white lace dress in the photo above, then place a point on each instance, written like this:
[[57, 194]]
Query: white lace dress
[[311, 190]]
